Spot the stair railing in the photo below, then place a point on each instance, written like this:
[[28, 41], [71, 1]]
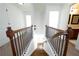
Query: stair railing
[[58, 40], [19, 39]]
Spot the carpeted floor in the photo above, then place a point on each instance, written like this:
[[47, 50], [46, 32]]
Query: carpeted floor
[[39, 52]]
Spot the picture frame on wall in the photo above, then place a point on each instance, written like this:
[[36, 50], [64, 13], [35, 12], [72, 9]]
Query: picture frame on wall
[[75, 19]]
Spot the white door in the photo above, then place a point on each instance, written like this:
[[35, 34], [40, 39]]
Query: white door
[[28, 20], [53, 19]]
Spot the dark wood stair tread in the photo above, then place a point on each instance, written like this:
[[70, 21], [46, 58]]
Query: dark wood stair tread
[[39, 52]]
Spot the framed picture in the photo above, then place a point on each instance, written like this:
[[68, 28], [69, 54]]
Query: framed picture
[[75, 19], [69, 18]]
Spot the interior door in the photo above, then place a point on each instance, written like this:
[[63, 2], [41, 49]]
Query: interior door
[[53, 19], [28, 20]]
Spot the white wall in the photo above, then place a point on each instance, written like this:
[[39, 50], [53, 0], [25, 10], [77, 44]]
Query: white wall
[[63, 14], [51, 7], [64, 17], [14, 16], [38, 18]]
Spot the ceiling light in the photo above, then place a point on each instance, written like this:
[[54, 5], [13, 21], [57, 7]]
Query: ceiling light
[[21, 3]]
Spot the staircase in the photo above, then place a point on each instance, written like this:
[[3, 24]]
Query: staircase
[[56, 42]]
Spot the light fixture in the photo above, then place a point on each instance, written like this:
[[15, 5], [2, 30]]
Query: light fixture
[[21, 3], [6, 9]]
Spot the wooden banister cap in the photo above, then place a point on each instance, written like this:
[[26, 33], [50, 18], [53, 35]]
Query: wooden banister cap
[[9, 32], [8, 28]]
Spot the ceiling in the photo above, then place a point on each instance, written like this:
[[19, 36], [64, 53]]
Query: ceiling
[[36, 6]]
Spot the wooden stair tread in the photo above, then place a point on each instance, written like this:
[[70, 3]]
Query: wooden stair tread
[[39, 52]]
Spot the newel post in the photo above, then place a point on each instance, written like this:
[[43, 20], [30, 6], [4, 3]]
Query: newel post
[[10, 35], [66, 44], [68, 36]]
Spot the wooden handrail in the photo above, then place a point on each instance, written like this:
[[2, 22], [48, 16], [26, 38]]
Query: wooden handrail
[[20, 29], [59, 40], [54, 28], [52, 31], [19, 39]]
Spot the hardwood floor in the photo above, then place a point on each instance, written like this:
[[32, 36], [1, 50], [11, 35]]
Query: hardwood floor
[[5, 50], [72, 51], [39, 52]]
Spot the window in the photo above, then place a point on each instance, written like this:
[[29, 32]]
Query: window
[[28, 20], [53, 19]]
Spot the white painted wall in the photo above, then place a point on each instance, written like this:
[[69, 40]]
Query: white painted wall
[[38, 17], [14, 16], [51, 7], [64, 16]]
